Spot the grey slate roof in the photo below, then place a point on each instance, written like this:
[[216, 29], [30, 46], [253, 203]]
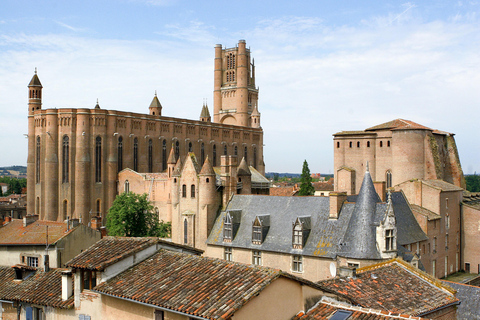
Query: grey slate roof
[[469, 297]]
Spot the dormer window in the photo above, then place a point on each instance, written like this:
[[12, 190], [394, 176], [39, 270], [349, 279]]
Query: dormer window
[[301, 230], [227, 228], [260, 228], [389, 240], [257, 232]]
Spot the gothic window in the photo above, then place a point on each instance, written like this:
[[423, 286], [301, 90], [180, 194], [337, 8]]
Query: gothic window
[[389, 179], [202, 153], [389, 238], [236, 151], [257, 258], [233, 76], [98, 159], [297, 264], [150, 155], [192, 191], [164, 155], [227, 228], [37, 161], [245, 154], [227, 254], [214, 158], [99, 205], [177, 150], [126, 186], [65, 159], [135, 154], [225, 150], [65, 208], [185, 231], [120, 154], [190, 149], [184, 191], [255, 158]]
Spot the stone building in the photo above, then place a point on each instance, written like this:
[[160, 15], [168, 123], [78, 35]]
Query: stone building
[[74, 155], [471, 232], [396, 151]]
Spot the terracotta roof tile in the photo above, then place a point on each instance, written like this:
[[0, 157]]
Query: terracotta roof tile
[[395, 286], [14, 233], [398, 124]]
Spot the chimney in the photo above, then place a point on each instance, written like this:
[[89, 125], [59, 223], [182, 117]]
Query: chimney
[[103, 231], [74, 223], [1, 221], [336, 201], [347, 272], [27, 220], [46, 262], [96, 222], [8, 219], [380, 188], [66, 284]]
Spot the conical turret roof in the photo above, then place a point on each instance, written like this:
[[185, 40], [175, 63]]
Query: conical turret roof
[[177, 171], [255, 111], [35, 82], [207, 168], [155, 102], [171, 157], [360, 238], [205, 113], [243, 169]]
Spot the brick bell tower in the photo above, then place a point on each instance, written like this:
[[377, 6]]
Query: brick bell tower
[[235, 96]]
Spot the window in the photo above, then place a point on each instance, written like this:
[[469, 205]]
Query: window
[[185, 231], [467, 267], [184, 191], [388, 143], [214, 158], [32, 262], [257, 258], [255, 158], [159, 315], [381, 144], [341, 315], [150, 155], [98, 159], [236, 150], [33, 313], [257, 233], [297, 264], [368, 144], [434, 244], [89, 279], [227, 254], [389, 238], [135, 154], [126, 186], [99, 205], [120, 154], [447, 221], [164, 155], [434, 268], [297, 236], [389, 179], [190, 147], [245, 154], [338, 144], [65, 159], [224, 149], [65, 208], [202, 154], [84, 317], [37, 161], [446, 242], [192, 191], [358, 144], [177, 150], [350, 144], [227, 228]]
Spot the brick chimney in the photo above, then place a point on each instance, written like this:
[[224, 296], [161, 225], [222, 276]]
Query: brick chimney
[[8, 219], [96, 222], [381, 189], [27, 220], [336, 201]]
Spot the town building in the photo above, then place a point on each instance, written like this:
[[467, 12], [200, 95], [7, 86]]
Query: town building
[[471, 232], [75, 155]]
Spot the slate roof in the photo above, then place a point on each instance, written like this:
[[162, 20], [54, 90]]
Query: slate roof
[[14, 233], [395, 286], [325, 310], [42, 288], [469, 296], [199, 286]]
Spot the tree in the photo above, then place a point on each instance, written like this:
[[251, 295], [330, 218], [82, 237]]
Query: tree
[[131, 215], [306, 187]]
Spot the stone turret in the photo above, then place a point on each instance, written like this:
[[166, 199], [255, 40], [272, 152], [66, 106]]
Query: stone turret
[[205, 114], [244, 177], [155, 108]]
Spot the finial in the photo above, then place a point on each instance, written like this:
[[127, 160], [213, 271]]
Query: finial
[[368, 170], [35, 70], [389, 193], [97, 100], [155, 93], [206, 102]]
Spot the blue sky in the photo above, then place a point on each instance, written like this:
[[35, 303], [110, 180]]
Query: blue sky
[[321, 66]]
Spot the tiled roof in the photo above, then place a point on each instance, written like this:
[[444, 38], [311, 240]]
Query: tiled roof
[[394, 286], [199, 286], [357, 132], [472, 199], [325, 309], [322, 186], [399, 124], [283, 191], [14, 233], [444, 186], [469, 296], [425, 212], [108, 251], [42, 288]]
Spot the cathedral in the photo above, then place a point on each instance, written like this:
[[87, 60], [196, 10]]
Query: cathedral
[[75, 154]]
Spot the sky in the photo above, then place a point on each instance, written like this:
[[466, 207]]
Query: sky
[[321, 66]]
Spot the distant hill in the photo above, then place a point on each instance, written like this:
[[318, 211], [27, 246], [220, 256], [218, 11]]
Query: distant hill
[[270, 175], [13, 171]]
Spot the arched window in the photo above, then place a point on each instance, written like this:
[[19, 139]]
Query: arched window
[[190, 147], [120, 154], [135, 154], [37, 206], [388, 179], [126, 186], [164, 155], [184, 191], [192, 191], [202, 153], [150, 155], [37, 161], [65, 208], [255, 157], [99, 202], [185, 231], [98, 159], [177, 150], [338, 144], [65, 159], [350, 144], [388, 143], [225, 149], [245, 154], [214, 157], [236, 150]]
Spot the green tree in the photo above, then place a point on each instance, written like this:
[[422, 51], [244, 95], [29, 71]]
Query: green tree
[[306, 187], [131, 215]]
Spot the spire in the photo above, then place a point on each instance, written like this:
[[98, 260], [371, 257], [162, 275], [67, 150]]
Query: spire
[[155, 102], [243, 169], [177, 171], [360, 237], [205, 114], [97, 106], [171, 157], [35, 82], [207, 169]]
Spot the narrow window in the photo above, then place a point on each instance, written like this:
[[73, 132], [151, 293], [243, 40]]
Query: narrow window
[[37, 161], [389, 179], [255, 157], [358, 144], [350, 144], [202, 153], [297, 265], [150, 155], [214, 158], [257, 258], [190, 148], [185, 231], [388, 143], [192, 191], [224, 149], [65, 208], [126, 186], [228, 254], [164, 155], [297, 236], [338, 144], [236, 151], [245, 154], [177, 150], [227, 228], [184, 191], [368, 144], [120, 154], [98, 159], [434, 244], [135, 154], [65, 159], [99, 202], [381, 144], [389, 240]]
